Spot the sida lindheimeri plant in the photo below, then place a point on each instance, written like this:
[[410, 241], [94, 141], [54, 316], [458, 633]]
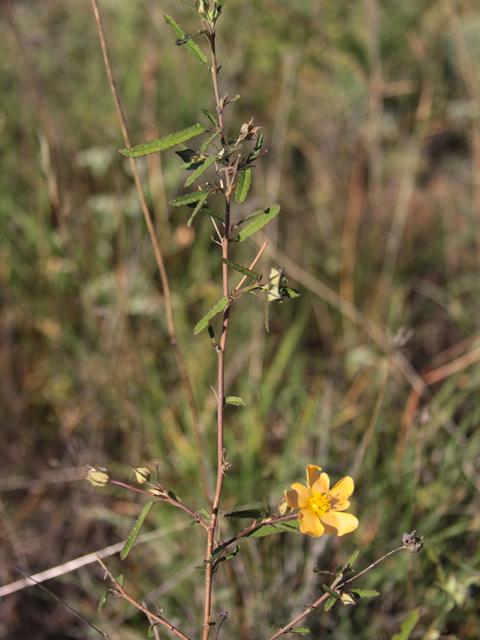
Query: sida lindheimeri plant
[[220, 164]]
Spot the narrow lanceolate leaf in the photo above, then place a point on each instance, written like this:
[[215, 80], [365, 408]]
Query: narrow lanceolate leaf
[[213, 120], [198, 172], [280, 527], [193, 48], [352, 559], [135, 531], [197, 209], [188, 198], [209, 139], [220, 306], [329, 603], [263, 219], [102, 601], [243, 185], [216, 553], [188, 37], [247, 513], [240, 269], [164, 143], [208, 212], [408, 626], [235, 400]]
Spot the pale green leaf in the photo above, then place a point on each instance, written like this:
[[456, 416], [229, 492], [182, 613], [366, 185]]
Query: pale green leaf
[[203, 167], [135, 531], [243, 185], [164, 143], [220, 306], [246, 513], [193, 48], [240, 269], [235, 400], [263, 219], [188, 198], [408, 626], [197, 209]]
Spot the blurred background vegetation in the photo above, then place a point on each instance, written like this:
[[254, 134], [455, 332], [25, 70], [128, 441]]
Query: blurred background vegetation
[[371, 114]]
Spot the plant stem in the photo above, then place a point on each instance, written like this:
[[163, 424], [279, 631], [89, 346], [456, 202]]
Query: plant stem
[[221, 361]]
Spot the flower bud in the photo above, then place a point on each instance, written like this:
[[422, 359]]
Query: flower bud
[[155, 491], [141, 474], [283, 507], [97, 476], [347, 598], [202, 7]]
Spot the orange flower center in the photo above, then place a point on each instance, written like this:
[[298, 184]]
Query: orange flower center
[[319, 503]]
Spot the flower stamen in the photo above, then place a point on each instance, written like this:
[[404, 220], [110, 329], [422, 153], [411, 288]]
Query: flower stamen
[[320, 503]]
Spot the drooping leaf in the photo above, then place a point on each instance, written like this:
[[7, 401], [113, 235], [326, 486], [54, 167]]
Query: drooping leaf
[[213, 120], [240, 269], [160, 144], [135, 531], [188, 198], [187, 154], [203, 167], [235, 400], [258, 224], [197, 209], [243, 185], [102, 601], [193, 48], [247, 513], [216, 553], [220, 306], [408, 626]]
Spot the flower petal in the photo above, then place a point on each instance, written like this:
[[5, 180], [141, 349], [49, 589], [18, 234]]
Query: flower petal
[[340, 493], [310, 523], [298, 497], [312, 474], [341, 523], [322, 484]]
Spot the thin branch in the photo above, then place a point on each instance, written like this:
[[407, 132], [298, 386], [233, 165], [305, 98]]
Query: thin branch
[[150, 615]]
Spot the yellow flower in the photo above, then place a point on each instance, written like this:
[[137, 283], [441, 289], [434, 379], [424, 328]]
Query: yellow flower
[[319, 507]]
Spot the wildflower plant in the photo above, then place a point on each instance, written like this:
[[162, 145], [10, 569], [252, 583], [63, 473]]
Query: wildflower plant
[[219, 167]]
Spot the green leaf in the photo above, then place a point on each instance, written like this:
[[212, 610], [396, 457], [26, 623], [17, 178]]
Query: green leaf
[[135, 531], [262, 220], [220, 306], [280, 527], [189, 36], [352, 559], [160, 144], [256, 152], [288, 292], [210, 212], [197, 209], [203, 167], [243, 185], [172, 496], [364, 593], [216, 553], [188, 198], [332, 593], [329, 604], [408, 626], [240, 269], [209, 139], [210, 117], [193, 48], [203, 512], [121, 579], [247, 513], [102, 601], [187, 155], [150, 632], [235, 400]]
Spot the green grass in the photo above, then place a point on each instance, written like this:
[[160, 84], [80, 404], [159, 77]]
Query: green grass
[[88, 375]]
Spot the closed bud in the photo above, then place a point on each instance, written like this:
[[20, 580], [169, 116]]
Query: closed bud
[[202, 7], [158, 493], [347, 598], [283, 507], [97, 476], [213, 13], [141, 474]]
